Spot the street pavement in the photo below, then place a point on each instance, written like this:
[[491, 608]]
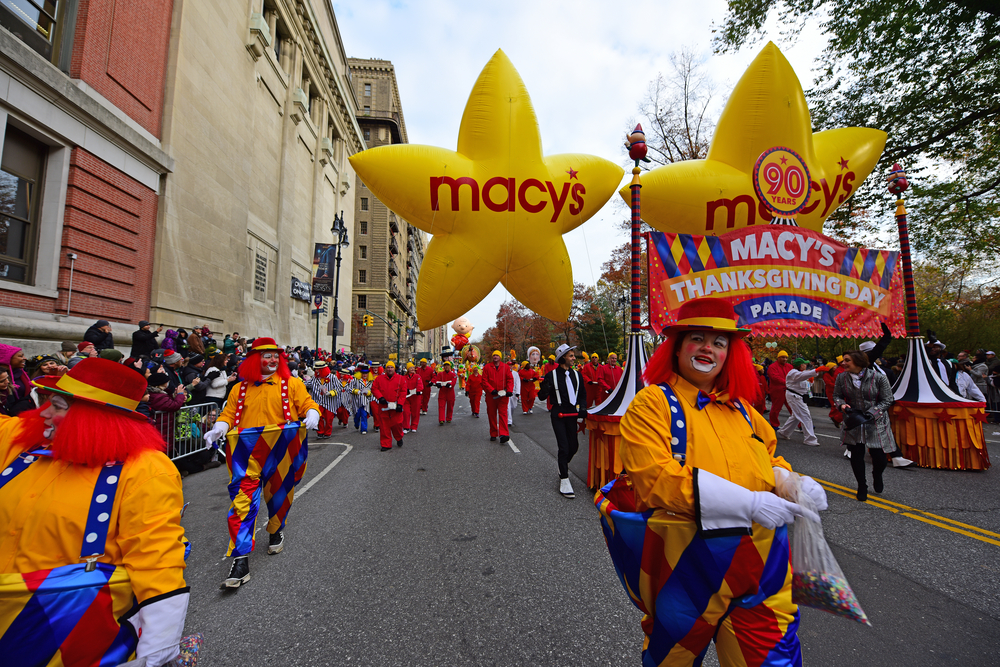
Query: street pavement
[[457, 551]]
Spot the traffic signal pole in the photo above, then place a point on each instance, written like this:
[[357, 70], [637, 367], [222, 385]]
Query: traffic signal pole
[[399, 325]]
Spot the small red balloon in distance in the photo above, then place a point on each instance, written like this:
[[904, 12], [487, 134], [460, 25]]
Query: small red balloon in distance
[[636, 143]]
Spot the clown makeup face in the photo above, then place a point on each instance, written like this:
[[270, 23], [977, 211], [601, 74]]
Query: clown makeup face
[[700, 357], [54, 413], [269, 363]]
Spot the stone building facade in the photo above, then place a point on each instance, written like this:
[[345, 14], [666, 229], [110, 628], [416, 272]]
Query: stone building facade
[[82, 165], [388, 251], [259, 118]]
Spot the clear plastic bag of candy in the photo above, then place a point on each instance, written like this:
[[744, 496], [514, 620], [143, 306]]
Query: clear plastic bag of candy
[[817, 580]]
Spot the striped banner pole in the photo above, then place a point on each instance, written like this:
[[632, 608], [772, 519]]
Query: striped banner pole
[[636, 249], [897, 186]]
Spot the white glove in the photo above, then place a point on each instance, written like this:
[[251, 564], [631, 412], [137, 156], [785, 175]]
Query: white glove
[[785, 487], [220, 429], [770, 511], [161, 623], [816, 492], [312, 420], [391, 406], [501, 393]]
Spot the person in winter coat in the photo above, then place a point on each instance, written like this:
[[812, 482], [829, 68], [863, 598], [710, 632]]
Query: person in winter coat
[[861, 388], [966, 382], [228, 345], [18, 396], [170, 340], [216, 380], [100, 335], [195, 342], [829, 381], [164, 406], [144, 340]]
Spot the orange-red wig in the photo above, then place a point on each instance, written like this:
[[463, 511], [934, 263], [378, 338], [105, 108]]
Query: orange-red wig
[[737, 376], [91, 435]]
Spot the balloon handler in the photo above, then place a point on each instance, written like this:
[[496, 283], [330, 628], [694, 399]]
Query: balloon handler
[[92, 555], [696, 532], [266, 449]]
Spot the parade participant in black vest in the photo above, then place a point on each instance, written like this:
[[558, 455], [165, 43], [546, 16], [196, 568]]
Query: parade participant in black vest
[[566, 389]]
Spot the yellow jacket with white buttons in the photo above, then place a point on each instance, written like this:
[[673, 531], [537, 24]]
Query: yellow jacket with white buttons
[[719, 441], [43, 514]]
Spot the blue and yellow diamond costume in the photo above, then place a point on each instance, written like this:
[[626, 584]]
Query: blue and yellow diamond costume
[[696, 580]]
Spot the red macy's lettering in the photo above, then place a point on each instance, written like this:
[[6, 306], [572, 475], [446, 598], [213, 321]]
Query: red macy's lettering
[[753, 208], [515, 195]]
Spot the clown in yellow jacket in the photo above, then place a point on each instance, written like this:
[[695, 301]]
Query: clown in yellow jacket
[[703, 474], [92, 554], [265, 420]]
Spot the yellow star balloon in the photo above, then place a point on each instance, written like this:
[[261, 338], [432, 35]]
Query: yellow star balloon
[[766, 114], [497, 209]]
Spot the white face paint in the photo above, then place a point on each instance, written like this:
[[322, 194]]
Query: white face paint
[[269, 363], [54, 414], [705, 350]]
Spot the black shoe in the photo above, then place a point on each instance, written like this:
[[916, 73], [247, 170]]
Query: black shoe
[[504, 438], [863, 493], [239, 573], [276, 542], [386, 449], [476, 415], [878, 484], [399, 443], [492, 439]]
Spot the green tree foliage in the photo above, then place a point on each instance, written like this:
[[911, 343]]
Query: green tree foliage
[[928, 73]]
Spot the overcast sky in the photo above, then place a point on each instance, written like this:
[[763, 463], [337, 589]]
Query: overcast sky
[[586, 65]]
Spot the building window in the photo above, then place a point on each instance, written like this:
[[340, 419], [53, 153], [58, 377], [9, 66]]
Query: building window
[[20, 196], [260, 276], [42, 18], [368, 90], [368, 134], [362, 276], [364, 203], [362, 252], [364, 228], [362, 302]]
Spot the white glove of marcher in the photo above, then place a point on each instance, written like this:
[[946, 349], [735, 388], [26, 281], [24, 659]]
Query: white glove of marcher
[[311, 421], [808, 484], [220, 429], [770, 511], [501, 393], [815, 491], [161, 624]]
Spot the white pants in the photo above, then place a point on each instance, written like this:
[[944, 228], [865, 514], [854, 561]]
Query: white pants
[[800, 413], [510, 410]]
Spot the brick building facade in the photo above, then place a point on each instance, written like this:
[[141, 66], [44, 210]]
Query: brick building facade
[[81, 101], [388, 251]]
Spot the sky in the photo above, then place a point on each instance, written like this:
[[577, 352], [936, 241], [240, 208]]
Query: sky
[[587, 65]]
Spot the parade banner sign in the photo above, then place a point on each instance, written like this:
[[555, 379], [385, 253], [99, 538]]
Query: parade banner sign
[[322, 271], [781, 280]]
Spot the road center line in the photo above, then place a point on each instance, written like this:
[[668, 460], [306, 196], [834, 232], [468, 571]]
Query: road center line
[[510, 443], [912, 513]]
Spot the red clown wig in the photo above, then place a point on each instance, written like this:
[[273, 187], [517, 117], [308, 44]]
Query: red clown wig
[[737, 376]]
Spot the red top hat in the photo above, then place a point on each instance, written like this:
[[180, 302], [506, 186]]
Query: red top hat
[[262, 344], [708, 313], [99, 381]]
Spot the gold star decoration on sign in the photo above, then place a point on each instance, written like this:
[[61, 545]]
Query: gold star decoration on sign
[[766, 110], [496, 208]]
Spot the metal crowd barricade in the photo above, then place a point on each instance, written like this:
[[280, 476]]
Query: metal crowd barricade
[[184, 430]]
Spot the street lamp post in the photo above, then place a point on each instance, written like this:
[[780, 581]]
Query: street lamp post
[[339, 231]]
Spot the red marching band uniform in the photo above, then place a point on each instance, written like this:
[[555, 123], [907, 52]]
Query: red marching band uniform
[[426, 374], [474, 388], [498, 383], [415, 389], [390, 394], [529, 391], [446, 381], [608, 379]]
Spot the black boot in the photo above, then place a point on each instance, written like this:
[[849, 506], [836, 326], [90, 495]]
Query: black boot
[[239, 573], [276, 542], [863, 492], [504, 438]]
